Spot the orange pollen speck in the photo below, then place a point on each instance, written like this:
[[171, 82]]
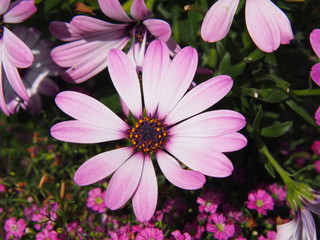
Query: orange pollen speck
[[148, 135]]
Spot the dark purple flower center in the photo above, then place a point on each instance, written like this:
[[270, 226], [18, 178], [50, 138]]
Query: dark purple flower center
[[139, 30], [148, 135]]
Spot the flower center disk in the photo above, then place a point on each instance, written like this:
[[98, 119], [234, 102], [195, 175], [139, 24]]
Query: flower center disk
[[148, 135]]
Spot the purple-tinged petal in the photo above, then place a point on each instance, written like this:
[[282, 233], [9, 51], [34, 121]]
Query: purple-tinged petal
[[124, 182], [48, 87], [317, 116], [218, 20], [158, 28], [4, 6], [173, 46], [288, 230], [182, 178], [19, 11], [124, 77], [200, 98], [79, 132], [262, 25], [155, 67], [315, 41], [309, 228], [200, 158], [29, 35], [114, 10], [213, 123], [89, 110], [315, 73], [101, 166], [139, 10], [4, 88], [145, 198], [178, 79], [62, 31], [16, 51], [34, 104]]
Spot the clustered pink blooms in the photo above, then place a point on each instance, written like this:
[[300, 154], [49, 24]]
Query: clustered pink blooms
[[46, 234], [267, 25], [220, 229], [14, 229], [261, 201], [15, 53], [173, 122], [95, 200], [91, 39]]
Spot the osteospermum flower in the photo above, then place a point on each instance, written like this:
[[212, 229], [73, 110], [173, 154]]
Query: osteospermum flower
[[220, 229], [95, 200], [261, 201], [267, 25], [91, 38], [14, 52], [37, 77], [167, 127], [14, 229]]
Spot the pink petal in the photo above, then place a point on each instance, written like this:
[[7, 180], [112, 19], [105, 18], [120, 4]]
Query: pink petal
[[145, 198], [315, 41], [185, 179], [139, 10], [79, 132], [155, 67], [34, 104], [158, 28], [200, 98], [218, 20], [101, 166], [62, 31], [200, 158], [317, 116], [213, 123], [124, 77], [173, 46], [4, 6], [315, 73], [262, 25], [114, 10], [178, 79], [29, 35], [289, 230], [19, 11], [48, 87], [89, 110], [16, 51], [3, 105], [124, 182]]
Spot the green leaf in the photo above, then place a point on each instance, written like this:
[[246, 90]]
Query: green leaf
[[272, 95], [254, 55], [300, 111], [113, 102], [50, 4], [270, 169], [276, 130], [235, 70], [257, 120]]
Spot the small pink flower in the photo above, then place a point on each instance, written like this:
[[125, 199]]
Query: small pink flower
[[150, 234], [317, 165], [179, 236], [261, 201], [95, 200], [317, 116], [47, 235], [316, 147], [315, 44], [209, 201], [278, 193], [219, 228], [73, 231], [2, 187], [14, 229]]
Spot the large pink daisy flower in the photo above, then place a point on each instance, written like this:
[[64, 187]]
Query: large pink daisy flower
[[169, 127]]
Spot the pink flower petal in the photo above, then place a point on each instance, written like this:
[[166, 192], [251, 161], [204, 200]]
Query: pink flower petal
[[155, 67], [4, 6], [124, 77], [3, 106], [200, 158], [19, 11], [101, 166], [48, 87], [218, 20], [317, 116], [62, 31], [315, 41], [200, 98], [158, 28], [178, 79], [34, 104], [87, 109], [79, 132], [124, 182], [213, 123], [139, 10], [185, 179], [315, 73], [114, 10], [145, 198], [262, 25], [16, 51]]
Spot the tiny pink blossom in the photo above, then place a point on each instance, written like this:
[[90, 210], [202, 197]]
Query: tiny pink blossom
[[150, 234], [2, 186], [316, 147], [209, 201], [317, 165], [47, 235], [317, 116], [261, 201], [14, 229], [278, 193], [179, 236], [219, 228], [95, 200]]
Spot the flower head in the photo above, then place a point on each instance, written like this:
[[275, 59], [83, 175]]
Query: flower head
[[14, 229], [91, 38], [95, 200], [150, 234], [47, 235], [220, 229], [261, 201], [171, 128]]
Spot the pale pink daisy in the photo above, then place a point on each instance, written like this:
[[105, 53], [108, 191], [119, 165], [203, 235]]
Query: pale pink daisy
[[220, 229], [95, 200], [168, 126], [91, 39], [14, 52], [267, 25], [261, 201], [14, 229], [150, 234]]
